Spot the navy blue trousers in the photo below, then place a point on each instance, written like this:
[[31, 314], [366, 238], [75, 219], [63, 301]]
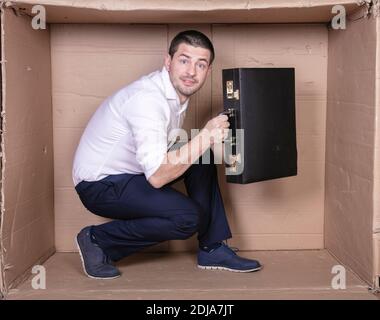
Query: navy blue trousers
[[144, 216]]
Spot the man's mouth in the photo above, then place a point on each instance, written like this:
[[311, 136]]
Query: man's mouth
[[188, 82]]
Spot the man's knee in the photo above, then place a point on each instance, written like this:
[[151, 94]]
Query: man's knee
[[186, 224]]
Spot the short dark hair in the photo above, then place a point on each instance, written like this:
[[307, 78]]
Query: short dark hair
[[193, 38]]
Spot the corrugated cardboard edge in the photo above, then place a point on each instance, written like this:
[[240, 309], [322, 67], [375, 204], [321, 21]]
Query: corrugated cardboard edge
[[376, 187], [190, 5], [2, 265]]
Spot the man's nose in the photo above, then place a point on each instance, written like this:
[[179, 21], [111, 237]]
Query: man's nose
[[191, 69]]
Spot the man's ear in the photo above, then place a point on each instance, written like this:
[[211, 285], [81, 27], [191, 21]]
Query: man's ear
[[167, 62]]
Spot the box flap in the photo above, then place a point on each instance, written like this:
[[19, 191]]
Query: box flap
[[350, 150], [194, 11]]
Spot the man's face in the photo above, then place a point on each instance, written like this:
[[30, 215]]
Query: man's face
[[188, 69]]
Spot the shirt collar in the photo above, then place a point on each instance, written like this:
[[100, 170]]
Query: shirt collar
[[170, 92]]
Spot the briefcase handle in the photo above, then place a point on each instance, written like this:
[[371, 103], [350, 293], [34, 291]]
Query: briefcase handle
[[230, 112]]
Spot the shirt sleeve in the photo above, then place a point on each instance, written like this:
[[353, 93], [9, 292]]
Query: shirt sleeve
[[148, 118]]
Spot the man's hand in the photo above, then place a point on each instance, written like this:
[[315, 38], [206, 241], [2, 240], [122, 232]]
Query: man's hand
[[217, 128], [176, 162]]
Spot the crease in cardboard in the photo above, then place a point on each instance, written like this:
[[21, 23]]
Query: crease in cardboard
[[368, 7], [365, 10], [372, 7], [15, 8]]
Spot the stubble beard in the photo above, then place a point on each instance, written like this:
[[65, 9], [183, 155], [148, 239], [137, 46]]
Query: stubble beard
[[185, 91]]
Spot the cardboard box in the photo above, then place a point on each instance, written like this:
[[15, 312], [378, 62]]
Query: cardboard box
[[54, 79]]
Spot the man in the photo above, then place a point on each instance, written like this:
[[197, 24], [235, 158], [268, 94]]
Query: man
[[124, 171]]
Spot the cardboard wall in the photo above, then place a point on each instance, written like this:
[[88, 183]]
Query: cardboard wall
[[90, 62], [27, 224], [376, 189], [188, 11], [350, 145]]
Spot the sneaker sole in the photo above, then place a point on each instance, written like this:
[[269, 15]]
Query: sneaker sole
[[227, 269], [84, 269]]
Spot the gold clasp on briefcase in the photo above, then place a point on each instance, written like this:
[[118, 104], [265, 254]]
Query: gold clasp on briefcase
[[235, 159], [231, 94], [231, 112]]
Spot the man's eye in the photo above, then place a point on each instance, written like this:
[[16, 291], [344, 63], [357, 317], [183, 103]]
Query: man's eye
[[183, 61], [202, 66]]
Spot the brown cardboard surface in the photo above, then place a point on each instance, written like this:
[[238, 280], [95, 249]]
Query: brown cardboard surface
[[90, 62], [28, 225], [194, 11], [286, 275], [350, 145], [2, 94]]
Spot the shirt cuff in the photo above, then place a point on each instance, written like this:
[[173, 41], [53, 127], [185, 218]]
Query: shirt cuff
[[149, 171]]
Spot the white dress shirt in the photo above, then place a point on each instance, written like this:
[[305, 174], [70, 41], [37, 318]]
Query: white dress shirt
[[131, 130]]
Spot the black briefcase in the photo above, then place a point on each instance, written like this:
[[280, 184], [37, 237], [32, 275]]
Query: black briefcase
[[260, 103]]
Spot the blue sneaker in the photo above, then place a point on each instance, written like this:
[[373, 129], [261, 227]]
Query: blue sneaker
[[95, 263], [224, 258]]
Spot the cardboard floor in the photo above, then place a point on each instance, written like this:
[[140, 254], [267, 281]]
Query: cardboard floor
[[286, 275]]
